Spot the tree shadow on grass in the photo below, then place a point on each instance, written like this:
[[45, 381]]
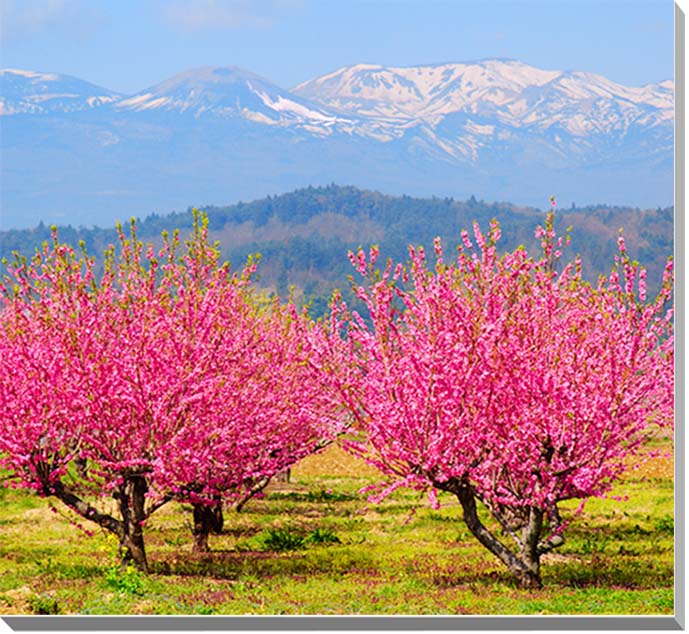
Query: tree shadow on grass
[[610, 571], [233, 565]]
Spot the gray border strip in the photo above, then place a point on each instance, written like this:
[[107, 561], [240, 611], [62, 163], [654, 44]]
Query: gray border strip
[[472, 623], [680, 315], [335, 623]]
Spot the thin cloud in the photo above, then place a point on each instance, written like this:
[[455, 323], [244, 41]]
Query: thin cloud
[[21, 18], [30, 15], [202, 15]]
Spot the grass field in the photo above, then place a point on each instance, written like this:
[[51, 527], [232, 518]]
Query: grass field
[[314, 546]]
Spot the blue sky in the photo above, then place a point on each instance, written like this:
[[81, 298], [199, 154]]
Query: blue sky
[[128, 45]]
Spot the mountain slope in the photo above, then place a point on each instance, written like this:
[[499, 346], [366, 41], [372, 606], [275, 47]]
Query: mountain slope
[[508, 87], [231, 92]]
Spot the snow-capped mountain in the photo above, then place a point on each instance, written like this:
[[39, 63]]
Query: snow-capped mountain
[[233, 92], [499, 129], [471, 105], [507, 88], [29, 92]]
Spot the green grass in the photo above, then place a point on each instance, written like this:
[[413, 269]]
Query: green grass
[[316, 547]]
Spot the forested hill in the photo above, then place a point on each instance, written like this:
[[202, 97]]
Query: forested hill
[[304, 236]]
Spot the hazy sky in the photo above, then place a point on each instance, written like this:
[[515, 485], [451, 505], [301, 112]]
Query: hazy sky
[[128, 45]]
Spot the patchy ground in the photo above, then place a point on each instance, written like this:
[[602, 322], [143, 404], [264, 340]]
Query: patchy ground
[[315, 546]]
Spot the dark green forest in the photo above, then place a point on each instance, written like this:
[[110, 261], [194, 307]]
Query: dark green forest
[[304, 236]]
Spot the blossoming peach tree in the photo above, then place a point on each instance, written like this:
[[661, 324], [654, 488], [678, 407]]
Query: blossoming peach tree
[[509, 382], [164, 378]]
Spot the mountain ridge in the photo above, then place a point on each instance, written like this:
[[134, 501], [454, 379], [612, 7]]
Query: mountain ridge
[[498, 128]]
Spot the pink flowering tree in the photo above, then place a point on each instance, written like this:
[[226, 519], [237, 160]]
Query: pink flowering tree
[[260, 405], [509, 382], [254, 398], [73, 397], [164, 378]]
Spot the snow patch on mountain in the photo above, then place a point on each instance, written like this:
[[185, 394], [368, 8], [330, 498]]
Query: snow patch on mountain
[[290, 107], [30, 74], [30, 92]]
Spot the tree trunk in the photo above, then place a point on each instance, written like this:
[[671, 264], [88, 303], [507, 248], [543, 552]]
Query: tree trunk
[[204, 522], [133, 550], [283, 476], [218, 519], [531, 534], [132, 498], [525, 567]]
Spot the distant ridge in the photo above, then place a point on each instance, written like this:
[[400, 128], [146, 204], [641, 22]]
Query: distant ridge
[[304, 235]]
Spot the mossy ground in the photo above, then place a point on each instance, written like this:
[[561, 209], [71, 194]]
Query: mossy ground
[[314, 546]]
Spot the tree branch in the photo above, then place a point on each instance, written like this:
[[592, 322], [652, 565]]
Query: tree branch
[[256, 488], [84, 509], [158, 504], [501, 521]]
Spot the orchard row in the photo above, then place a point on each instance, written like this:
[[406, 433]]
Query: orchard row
[[506, 380]]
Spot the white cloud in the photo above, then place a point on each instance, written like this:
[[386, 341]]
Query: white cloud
[[202, 15]]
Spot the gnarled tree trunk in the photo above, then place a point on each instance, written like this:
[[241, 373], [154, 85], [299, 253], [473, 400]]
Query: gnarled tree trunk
[[131, 498], [283, 476], [524, 564]]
